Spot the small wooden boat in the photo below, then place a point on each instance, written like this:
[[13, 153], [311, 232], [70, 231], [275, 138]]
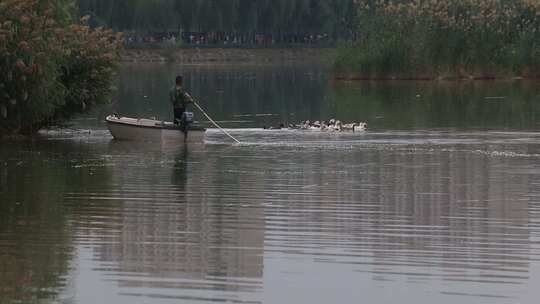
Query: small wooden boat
[[143, 129]]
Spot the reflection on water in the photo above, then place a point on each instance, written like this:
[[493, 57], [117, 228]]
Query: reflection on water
[[447, 216], [239, 96], [36, 241], [171, 219], [262, 96], [416, 216]]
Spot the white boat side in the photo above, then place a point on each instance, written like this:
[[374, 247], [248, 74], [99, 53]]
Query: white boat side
[[143, 129]]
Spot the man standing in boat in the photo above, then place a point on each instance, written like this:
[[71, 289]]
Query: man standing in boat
[[180, 99]]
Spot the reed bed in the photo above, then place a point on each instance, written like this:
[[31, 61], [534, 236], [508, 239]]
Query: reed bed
[[444, 39]]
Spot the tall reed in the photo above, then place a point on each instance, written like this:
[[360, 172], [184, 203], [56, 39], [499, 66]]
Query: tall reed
[[434, 38]]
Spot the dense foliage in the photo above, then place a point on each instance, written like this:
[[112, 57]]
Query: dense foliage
[[334, 17], [50, 68], [432, 38]]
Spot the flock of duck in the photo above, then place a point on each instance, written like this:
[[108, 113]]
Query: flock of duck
[[332, 125]]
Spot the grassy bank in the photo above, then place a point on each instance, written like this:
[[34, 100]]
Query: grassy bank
[[444, 39]]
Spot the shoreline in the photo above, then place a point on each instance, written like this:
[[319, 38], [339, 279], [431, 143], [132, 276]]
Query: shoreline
[[324, 56], [358, 77], [279, 56]]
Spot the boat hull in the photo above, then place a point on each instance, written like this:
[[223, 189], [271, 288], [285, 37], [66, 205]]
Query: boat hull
[[133, 129]]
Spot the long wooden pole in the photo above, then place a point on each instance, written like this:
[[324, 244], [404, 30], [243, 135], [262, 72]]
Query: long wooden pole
[[215, 123]]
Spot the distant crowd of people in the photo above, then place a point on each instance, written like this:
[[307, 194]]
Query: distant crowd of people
[[228, 38]]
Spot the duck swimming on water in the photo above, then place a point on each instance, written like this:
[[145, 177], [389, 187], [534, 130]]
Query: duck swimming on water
[[332, 125]]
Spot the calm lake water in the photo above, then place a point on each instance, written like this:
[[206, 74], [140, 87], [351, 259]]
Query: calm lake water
[[438, 202]]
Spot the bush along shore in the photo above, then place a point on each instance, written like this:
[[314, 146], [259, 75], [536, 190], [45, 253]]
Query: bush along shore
[[51, 68], [444, 39]]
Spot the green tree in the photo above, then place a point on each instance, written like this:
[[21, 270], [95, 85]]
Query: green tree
[[50, 68]]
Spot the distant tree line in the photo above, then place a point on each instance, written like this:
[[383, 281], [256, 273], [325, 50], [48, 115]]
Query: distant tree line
[[335, 18]]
